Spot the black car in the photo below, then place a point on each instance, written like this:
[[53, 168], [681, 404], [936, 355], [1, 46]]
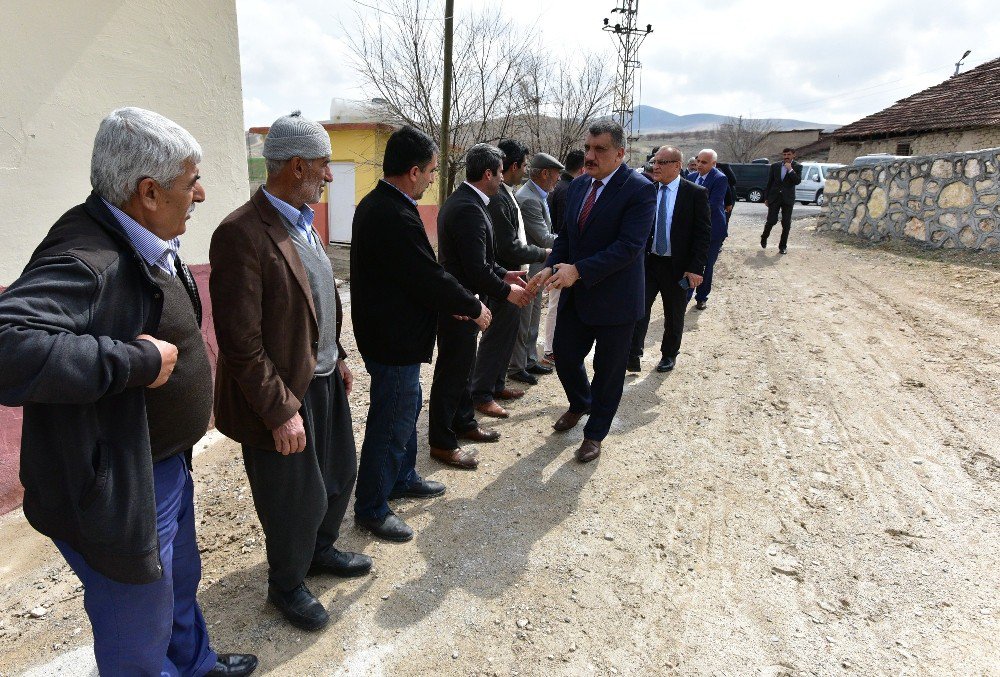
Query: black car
[[751, 179]]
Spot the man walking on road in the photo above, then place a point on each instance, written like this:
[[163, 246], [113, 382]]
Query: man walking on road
[[282, 383], [782, 178], [399, 290], [717, 184]]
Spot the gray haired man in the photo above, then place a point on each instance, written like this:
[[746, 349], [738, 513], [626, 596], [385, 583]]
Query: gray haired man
[[110, 412]]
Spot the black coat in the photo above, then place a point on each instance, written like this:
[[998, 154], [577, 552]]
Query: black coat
[[397, 286], [557, 202], [465, 244], [68, 355], [784, 190], [690, 230], [511, 252]]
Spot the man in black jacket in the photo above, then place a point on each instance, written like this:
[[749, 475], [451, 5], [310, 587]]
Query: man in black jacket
[[110, 412], [557, 209], [513, 253], [782, 177], [398, 291], [465, 249], [675, 255]]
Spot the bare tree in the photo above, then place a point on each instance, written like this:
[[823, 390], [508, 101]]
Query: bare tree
[[501, 88], [740, 139]]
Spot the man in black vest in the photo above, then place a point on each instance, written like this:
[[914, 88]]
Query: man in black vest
[[398, 291], [782, 177], [111, 413]]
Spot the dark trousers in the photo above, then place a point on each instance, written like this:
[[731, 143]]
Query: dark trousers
[[660, 279], [705, 288], [389, 452], [301, 498], [572, 343], [451, 409], [155, 628], [772, 218], [495, 349]]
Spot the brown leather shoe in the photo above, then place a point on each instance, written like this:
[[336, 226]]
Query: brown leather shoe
[[460, 458], [509, 394], [493, 409], [480, 435], [568, 421], [588, 451]]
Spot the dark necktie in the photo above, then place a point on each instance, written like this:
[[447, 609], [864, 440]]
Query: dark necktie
[[588, 205]]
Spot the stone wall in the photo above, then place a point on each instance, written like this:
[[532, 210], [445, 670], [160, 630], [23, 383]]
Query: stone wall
[[844, 152], [950, 200]]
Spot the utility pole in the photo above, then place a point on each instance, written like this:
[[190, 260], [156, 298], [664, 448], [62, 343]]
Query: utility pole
[[629, 38], [444, 164]]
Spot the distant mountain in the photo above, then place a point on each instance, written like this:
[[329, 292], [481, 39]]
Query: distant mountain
[[650, 120]]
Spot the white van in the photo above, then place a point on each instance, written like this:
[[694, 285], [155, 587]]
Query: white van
[[810, 189]]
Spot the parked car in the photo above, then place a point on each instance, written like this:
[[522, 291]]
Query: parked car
[[751, 179], [878, 159], [810, 189]]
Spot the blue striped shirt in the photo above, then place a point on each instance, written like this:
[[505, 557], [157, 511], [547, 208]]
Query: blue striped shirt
[[302, 219], [153, 250]]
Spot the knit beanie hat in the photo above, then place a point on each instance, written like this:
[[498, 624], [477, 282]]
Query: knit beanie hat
[[295, 136]]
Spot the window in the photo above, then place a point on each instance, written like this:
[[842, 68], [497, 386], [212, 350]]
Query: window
[[903, 148]]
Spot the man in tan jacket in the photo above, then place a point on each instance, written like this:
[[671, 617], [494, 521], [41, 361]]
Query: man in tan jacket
[[282, 383]]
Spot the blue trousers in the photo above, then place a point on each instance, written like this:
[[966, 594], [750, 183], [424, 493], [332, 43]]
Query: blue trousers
[[389, 452], [705, 288], [155, 628], [571, 345]]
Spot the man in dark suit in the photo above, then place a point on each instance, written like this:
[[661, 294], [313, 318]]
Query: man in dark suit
[[282, 382], [717, 185], [513, 253], [780, 195], [731, 193], [597, 261], [557, 210], [465, 249], [399, 290], [676, 254]]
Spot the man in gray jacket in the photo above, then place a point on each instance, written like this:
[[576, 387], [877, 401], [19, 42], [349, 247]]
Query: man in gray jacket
[[110, 412], [543, 175]]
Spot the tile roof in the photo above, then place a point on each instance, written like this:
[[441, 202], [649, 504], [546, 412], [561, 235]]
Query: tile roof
[[965, 101]]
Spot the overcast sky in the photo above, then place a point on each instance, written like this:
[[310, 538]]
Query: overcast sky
[[820, 61]]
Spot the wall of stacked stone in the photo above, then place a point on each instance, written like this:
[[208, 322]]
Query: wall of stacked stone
[[950, 200]]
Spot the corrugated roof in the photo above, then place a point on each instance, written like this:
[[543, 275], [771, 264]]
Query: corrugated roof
[[964, 101]]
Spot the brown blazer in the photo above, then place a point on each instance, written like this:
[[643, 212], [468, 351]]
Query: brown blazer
[[265, 324]]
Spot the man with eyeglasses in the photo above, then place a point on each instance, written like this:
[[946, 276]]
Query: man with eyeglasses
[[675, 255]]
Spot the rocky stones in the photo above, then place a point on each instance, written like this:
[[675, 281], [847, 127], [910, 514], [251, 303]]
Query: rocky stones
[[877, 203], [957, 195]]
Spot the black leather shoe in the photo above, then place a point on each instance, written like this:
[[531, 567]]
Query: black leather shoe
[[666, 364], [633, 364], [299, 607], [782, 250], [389, 528], [701, 305], [420, 489], [539, 370], [340, 563], [523, 377], [763, 242], [233, 665]]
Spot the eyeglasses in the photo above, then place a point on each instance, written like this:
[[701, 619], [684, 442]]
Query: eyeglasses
[[665, 162]]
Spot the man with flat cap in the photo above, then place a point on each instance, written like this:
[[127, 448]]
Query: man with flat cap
[[282, 383], [532, 198]]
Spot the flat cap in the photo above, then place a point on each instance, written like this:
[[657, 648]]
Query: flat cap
[[545, 161], [295, 136]]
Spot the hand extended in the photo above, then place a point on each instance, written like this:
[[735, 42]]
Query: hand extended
[[539, 278], [519, 296], [290, 436], [565, 275], [345, 373], [485, 317], [515, 277], [694, 279], [168, 359]]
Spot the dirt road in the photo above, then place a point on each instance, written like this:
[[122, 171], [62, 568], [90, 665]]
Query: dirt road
[[814, 490]]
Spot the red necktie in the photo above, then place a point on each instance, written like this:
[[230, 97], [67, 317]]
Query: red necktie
[[588, 205]]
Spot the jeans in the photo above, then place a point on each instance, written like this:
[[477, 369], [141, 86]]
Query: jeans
[[389, 452]]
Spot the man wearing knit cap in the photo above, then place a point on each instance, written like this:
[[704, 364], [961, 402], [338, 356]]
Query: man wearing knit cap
[[282, 383]]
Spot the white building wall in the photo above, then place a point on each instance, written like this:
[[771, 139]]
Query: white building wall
[[65, 65]]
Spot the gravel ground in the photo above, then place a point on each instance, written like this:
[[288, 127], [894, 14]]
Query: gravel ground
[[813, 491]]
